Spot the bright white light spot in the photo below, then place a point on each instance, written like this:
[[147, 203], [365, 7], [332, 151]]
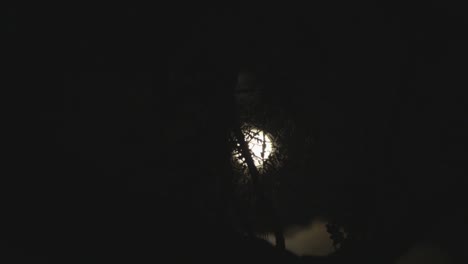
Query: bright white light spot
[[260, 145]]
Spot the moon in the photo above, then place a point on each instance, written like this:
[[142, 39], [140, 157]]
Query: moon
[[260, 145]]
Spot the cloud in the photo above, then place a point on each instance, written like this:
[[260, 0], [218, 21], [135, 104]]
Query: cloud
[[312, 239]]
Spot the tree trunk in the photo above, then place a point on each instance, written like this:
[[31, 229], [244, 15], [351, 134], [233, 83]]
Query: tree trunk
[[263, 202]]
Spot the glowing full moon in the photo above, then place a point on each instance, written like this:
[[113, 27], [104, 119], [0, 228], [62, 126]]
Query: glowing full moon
[[260, 145]]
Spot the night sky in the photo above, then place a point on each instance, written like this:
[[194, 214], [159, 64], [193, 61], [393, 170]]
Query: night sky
[[117, 122]]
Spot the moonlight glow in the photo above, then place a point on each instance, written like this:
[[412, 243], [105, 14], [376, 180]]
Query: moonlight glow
[[260, 145]]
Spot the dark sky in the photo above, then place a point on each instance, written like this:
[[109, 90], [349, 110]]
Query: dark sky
[[119, 117]]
